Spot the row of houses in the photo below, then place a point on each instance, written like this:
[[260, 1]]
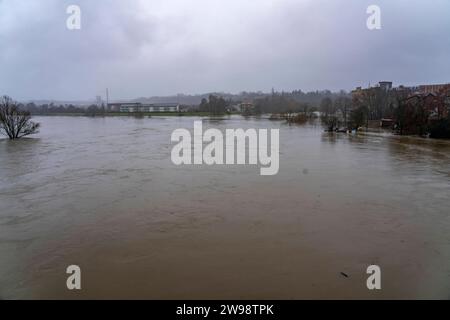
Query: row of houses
[[434, 98], [141, 107], [421, 89]]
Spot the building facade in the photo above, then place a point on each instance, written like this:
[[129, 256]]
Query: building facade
[[431, 102], [141, 107]]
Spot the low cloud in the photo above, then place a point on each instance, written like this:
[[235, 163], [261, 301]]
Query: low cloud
[[159, 47]]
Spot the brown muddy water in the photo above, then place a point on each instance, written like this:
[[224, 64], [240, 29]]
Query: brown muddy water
[[102, 193]]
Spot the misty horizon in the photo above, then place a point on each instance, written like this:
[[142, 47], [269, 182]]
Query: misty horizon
[[205, 94]]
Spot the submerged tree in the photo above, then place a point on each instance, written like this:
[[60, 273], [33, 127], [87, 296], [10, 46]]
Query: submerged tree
[[329, 118], [15, 123], [358, 117], [412, 116]]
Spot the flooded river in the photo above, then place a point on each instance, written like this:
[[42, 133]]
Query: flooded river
[[102, 193]]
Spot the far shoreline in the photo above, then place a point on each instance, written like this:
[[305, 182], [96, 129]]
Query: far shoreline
[[128, 114]]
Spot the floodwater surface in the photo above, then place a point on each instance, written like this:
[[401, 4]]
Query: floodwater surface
[[102, 193]]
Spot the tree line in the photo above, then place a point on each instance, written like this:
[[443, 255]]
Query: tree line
[[51, 108], [405, 113], [215, 105]]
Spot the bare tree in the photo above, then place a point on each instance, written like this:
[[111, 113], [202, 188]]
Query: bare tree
[[14, 122], [344, 104], [329, 118]]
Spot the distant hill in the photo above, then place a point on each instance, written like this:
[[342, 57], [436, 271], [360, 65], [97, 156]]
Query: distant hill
[[196, 99], [312, 98]]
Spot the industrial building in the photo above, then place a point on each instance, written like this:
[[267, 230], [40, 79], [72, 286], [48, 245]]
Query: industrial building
[[132, 107]]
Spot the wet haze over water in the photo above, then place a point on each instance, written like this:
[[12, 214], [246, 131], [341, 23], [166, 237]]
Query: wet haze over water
[[103, 193]]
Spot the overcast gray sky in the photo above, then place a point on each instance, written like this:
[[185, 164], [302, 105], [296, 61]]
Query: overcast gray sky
[[162, 47]]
